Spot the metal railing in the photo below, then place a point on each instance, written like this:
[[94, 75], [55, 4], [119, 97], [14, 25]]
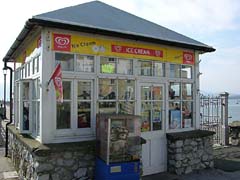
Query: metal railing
[[214, 116]]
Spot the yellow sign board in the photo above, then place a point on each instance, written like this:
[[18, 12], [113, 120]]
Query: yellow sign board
[[106, 47], [36, 43]]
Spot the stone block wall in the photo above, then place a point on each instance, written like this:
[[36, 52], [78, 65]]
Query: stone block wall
[[188, 151], [34, 161]]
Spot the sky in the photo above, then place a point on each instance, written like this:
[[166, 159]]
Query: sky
[[213, 22]]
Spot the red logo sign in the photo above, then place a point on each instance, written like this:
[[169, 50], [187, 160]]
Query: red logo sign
[[61, 42], [188, 58], [137, 51]]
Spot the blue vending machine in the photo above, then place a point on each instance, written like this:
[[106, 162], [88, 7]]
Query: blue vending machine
[[118, 147]]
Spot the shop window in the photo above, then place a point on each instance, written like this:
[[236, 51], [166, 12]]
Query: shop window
[[125, 66], [145, 68], [180, 105], [66, 61], [180, 71], [151, 68], [84, 104], [116, 96], [158, 69], [28, 69], [85, 63], [107, 89], [64, 109], [151, 107], [17, 104], [25, 70], [25, 106], [33, 66], [36, 107], [186, 72], [108, 65], [37, 64], [175, 70], [174, 91]]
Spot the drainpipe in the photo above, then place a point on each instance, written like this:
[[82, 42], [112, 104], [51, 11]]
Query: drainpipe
[[11, 103]]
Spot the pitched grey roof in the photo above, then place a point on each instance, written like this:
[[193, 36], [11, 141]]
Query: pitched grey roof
[[98, 17]]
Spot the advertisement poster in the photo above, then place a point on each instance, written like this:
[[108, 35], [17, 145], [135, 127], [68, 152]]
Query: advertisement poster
[[106, 47], [175, 119]]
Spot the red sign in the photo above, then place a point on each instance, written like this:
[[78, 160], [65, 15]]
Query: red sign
[[188, 58], [57, 81], [137, 51], [61, 42]]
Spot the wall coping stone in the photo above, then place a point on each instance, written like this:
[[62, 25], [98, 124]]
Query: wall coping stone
[[189, 134], [45, 149]]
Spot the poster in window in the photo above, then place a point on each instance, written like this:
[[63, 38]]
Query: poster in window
[[175, 119]]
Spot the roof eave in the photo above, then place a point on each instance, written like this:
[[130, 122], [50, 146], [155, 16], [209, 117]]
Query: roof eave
[[32, 22], [20, 38], [113, 33]]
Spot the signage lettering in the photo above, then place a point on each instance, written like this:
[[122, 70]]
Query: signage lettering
[[137, 51]]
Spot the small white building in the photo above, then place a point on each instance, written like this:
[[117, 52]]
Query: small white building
[[112, 62]]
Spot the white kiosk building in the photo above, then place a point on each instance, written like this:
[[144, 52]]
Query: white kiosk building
[[112, 62]]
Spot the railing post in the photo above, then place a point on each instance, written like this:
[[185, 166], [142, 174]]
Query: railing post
[[225, 128]]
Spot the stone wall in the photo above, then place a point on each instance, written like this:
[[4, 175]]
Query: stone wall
[[188, 151], [34, 161]]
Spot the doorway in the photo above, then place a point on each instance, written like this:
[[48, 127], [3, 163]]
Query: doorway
[[152, 110]]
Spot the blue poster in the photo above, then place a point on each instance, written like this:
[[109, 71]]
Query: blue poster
[[175, 119]]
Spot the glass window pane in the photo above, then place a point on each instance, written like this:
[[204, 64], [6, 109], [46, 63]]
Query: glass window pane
[[36, 89], [25, 115], [126, 89], [157, 93], [63, 115], [186, 72], [38, 118], [108, 65], [126, 107], [145, 68], [145, 92], [66, 89], [34, 117], [174, 115], [159, 69], [157, 116], [174, 91], [175, 71], [85, 63], [107, 88], [37, 64], [66, 61], [187, 114], [125, 66], [84, 90], [28, 69], [187, 93], [146, 116], [26, 90], [84, 114], [33, 65], [107, 107]]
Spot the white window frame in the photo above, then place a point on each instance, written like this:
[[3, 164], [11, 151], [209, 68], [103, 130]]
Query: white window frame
[[29, 131]]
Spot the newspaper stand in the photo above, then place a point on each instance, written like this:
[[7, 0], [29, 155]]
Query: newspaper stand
[[118, 147]]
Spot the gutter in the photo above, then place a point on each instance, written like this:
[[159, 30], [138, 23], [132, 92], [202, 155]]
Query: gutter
[[11, 104]]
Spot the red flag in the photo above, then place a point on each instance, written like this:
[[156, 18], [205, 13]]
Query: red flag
[[57, 81]]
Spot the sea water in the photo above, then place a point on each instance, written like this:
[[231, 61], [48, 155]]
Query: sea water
[[233, 110]]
